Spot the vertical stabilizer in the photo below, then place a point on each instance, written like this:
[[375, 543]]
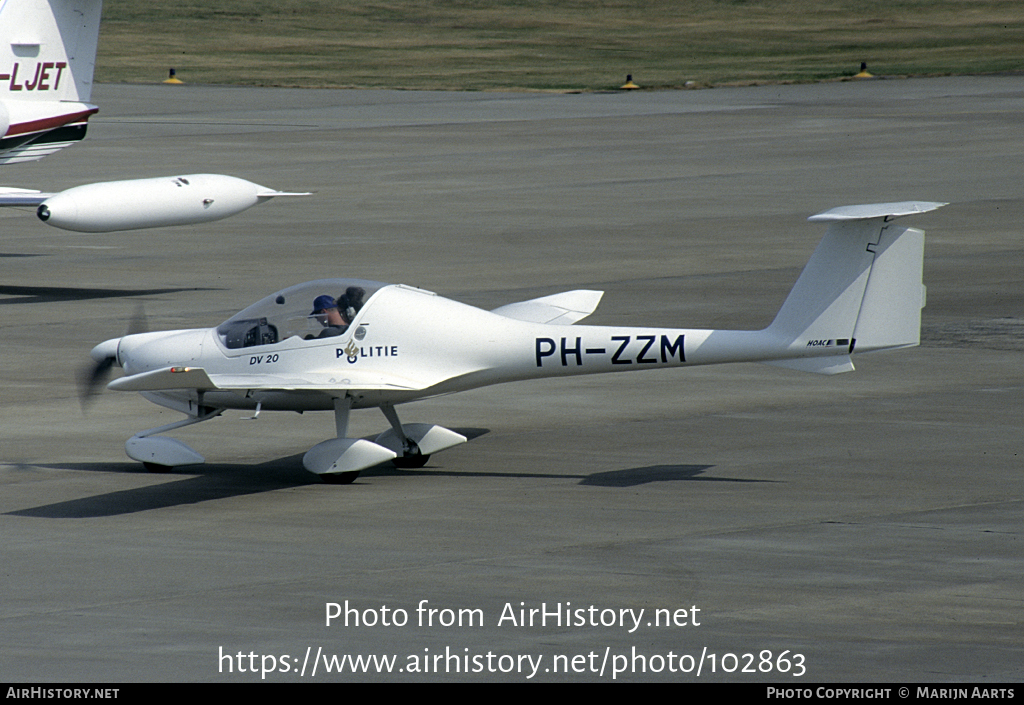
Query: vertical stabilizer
[[861, 290], [47, 57], [48, 49], [826, 298]]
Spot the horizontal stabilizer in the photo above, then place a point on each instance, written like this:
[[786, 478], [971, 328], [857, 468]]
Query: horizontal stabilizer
[[558, 309], [876, 210], [831, 365]]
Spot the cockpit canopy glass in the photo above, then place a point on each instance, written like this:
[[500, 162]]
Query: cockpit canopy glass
[[299, 311]]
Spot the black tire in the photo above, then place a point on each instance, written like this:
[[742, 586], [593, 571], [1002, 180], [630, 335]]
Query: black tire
[[340, 478], [411, 461]]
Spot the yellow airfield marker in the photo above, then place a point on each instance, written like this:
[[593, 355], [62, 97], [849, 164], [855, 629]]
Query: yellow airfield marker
[[172, 79]]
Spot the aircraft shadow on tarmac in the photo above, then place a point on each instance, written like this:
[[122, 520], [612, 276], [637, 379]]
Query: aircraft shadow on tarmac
[[56, 294], [201, 483], [204, 483]]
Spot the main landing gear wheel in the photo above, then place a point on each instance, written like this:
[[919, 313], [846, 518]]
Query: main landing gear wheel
[[416, 460], [340, 478]]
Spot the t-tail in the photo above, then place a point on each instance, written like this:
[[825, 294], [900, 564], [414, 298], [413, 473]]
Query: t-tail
[[47, 57], [861, 291]]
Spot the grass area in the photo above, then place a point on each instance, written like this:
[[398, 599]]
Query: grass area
[[552, 45]]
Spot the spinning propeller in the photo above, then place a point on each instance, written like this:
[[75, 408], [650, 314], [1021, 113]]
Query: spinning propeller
[[92, 378]]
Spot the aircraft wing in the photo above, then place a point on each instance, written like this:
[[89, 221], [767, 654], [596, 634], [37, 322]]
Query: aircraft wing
[[166, 378], [197, 378], [15, 197], [560, 309]]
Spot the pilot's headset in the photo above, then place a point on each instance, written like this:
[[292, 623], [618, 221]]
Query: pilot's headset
[[353, 299], [346, 308]]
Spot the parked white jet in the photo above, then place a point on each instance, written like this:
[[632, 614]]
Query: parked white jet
[[47, 56], [342, 344]]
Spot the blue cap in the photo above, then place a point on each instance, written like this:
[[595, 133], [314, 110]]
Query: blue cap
[[322, 303]]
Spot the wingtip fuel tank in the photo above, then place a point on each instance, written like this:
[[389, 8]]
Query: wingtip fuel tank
[[150, 203]]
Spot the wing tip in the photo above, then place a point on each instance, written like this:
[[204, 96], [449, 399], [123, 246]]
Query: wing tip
[[267, 193]]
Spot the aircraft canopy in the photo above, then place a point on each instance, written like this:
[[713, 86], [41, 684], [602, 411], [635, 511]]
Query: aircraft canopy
[[290, 312]]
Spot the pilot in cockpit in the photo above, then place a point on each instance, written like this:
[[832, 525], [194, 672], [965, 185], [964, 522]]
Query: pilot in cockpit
[[325, 308]]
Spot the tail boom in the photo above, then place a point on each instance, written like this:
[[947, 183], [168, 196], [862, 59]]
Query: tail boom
[[861, 290]]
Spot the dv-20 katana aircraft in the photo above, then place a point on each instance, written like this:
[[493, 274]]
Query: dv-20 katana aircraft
[[339, 344], [47, 57]]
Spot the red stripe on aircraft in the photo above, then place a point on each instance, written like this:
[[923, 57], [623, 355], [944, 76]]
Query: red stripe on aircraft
[[49, 123]]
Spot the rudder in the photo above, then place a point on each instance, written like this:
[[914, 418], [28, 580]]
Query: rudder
[[890, 314]]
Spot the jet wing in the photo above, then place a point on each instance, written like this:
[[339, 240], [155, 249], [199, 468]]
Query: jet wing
[[15, 197], [197, 378], [561, 309]]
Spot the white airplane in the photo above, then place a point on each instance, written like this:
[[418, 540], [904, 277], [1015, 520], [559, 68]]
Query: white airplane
[[47, 56], [339, 344]]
